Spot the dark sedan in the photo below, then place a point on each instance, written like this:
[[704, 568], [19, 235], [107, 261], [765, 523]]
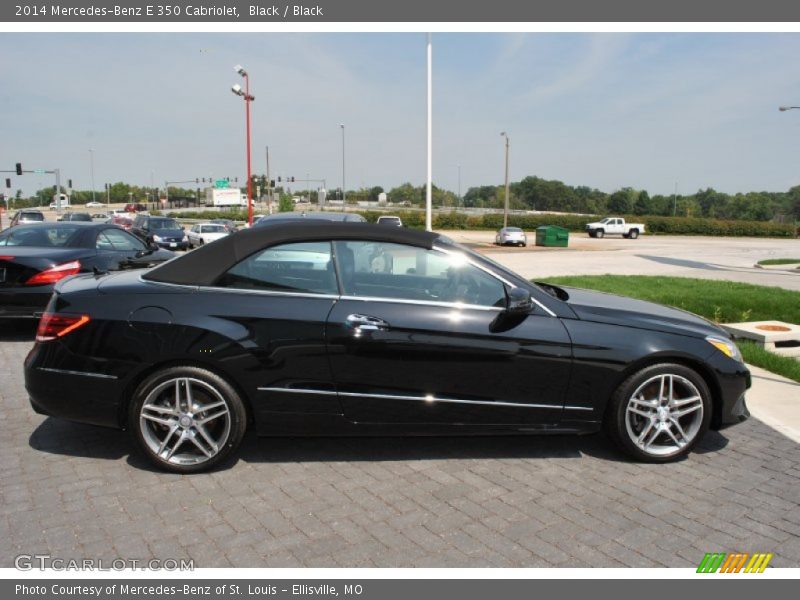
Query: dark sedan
[[344, 329], [162, 231], [35, 256]]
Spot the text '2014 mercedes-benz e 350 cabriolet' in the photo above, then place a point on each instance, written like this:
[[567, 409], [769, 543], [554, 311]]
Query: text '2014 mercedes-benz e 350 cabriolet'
[[321, 328]]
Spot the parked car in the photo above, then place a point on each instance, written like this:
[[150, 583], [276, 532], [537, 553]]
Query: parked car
[[101, 217], [26, 216], [134, 208], [93, 204], [511, 235], [614, 226], [35, 256], [203, 233], [123, 221], [390, 220], [279, 218], [76, 216], [163, 231], [285, 329]]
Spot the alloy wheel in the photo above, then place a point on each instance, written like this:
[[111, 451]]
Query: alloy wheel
[[185, 421], [664, 415]]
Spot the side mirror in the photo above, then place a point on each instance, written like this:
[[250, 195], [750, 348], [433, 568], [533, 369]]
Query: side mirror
[[519, 301]]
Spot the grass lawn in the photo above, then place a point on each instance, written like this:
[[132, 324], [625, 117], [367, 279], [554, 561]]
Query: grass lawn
[[780, 261], [720, 301]]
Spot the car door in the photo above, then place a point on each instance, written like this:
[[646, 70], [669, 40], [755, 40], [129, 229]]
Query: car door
[[421, 336]]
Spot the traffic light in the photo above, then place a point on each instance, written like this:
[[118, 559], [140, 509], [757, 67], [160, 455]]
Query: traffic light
[[8, 183], [197, 180], [272, 183], [19, 168], [292, 180], [69, 183], [279, 177]]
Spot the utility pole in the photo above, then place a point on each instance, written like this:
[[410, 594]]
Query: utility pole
[[428, 185], [269, 187], [505, 208], [675, 200]]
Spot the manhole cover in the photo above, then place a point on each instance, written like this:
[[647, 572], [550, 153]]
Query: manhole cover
[[772, 328]]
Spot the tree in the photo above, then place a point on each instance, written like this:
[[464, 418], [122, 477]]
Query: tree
[[622, 201]]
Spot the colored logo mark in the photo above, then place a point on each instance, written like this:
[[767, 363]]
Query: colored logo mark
[[738, 562]]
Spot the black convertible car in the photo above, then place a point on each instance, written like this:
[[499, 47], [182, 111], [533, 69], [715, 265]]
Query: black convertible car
[[33, 257], [341, 329]]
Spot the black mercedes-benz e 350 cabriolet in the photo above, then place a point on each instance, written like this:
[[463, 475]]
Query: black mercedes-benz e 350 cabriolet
[[345, 329]]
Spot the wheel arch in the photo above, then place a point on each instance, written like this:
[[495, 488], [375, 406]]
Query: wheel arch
[[130, 387]]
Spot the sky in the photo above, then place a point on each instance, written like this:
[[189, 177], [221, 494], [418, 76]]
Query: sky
[[604, 110]]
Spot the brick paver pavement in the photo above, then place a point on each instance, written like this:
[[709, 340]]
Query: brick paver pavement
[[75, 491]]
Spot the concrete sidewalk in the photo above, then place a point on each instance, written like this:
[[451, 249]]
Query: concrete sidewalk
[[775, 401]]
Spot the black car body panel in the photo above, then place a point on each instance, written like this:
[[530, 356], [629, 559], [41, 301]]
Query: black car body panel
[[436, 367]]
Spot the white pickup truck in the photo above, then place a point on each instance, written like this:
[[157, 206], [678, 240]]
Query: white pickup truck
[[614, 226]]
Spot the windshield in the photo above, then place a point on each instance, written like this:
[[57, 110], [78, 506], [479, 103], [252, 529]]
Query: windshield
[[212, 229], [606, 220], [513, 229], [164, 224], [32, 216], [46, 237]]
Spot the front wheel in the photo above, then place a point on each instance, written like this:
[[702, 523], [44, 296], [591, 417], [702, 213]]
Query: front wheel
[[599, 233], [659, 413], [633, 234], [187, 419]]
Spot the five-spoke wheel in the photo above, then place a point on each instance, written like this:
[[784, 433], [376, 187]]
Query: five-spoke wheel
[[659, 413], [187, 419]]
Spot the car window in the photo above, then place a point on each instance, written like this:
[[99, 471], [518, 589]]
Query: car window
[[116, 239], [382, 270], [299, 267], [41, 236], [164, 224], [212, 229]]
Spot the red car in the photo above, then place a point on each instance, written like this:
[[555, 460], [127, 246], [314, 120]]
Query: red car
[[131, 207], [122, 221]]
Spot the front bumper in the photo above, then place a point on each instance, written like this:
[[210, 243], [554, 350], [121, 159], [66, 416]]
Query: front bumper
[[176, 246], [733, 381]]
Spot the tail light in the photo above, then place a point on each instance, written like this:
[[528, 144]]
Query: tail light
[[4, 257], [52, 326], [55, 273]]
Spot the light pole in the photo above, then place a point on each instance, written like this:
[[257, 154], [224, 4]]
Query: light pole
[[91, 167], [343, 172], [505, 208], [459, 185], [785, 108], [429, 181], [237, 89]]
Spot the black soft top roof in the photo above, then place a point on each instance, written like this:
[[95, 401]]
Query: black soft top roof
[[206, 264]]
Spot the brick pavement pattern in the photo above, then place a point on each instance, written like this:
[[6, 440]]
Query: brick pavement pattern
[[76, 491]]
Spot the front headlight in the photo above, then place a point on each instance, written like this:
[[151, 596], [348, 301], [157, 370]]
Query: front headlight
[[157, 238], [727, 347]]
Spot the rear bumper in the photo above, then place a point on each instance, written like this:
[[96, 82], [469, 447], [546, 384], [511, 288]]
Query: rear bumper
[[71, 390], [24, 302]]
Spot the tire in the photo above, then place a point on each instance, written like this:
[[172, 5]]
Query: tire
[[634, 233], [592, 234], [641, 416], [599, 233], [182, 438]]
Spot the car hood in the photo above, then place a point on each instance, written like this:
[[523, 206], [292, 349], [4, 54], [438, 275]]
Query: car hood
[[168, 232], [629, 312]]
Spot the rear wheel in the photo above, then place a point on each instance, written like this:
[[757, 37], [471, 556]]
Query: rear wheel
[[633, 234], [187, 419], [659, 413]]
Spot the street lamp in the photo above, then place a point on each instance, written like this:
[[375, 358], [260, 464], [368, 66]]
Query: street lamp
[[91, 166], [505, 209], [343, 186], [785, 108], [237, 89]]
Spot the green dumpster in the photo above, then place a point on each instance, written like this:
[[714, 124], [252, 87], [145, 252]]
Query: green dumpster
[[552, 235]]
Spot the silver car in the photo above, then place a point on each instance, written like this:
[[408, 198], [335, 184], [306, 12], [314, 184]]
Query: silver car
[[511, 235]]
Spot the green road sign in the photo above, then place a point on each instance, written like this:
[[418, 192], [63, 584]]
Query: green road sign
[[221, 184], [39, 171]]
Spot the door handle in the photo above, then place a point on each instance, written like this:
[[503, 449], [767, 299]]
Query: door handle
[[366, 323]]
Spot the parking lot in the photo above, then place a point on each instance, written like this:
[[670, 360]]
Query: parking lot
[[74, 491]]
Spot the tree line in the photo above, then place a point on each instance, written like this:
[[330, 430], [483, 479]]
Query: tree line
[[531, 193]]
